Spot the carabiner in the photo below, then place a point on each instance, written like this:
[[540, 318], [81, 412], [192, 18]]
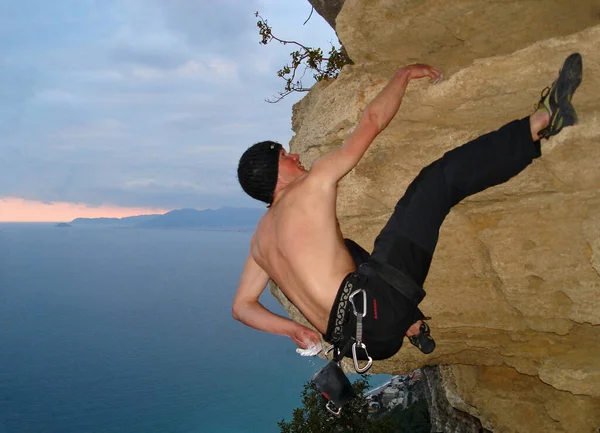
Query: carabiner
[[329, 349], [358, 369], [364, 313], [336, 413]]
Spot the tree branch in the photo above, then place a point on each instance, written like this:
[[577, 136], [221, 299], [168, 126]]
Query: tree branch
[[312, 58]]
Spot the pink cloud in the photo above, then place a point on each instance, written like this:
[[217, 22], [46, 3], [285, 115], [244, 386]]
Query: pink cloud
[[14, 209]]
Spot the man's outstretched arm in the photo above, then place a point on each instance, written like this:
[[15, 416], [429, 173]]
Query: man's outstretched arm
[[375, 118], [248, 310]]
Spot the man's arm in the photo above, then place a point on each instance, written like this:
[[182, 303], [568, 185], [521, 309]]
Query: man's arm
[[375, 118], [248, 310]]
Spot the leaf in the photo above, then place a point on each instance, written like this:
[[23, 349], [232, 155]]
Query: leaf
[[311, 58]]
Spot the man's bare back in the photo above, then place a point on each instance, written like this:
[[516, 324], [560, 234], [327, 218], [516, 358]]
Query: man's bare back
[[300, 246]]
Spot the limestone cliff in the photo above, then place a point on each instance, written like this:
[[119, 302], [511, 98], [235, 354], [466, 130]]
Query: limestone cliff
[[328, 9], [514, 287]]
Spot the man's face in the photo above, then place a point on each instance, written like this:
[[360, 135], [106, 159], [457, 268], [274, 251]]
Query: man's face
[[289, 163]]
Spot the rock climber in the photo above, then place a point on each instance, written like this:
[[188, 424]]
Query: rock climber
[[347, 294]]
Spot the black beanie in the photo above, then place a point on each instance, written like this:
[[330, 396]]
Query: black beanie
[[258, 169]]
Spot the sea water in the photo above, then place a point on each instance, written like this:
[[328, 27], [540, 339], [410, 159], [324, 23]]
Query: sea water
[[130, 330]]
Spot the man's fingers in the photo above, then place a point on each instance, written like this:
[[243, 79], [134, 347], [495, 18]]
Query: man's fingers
[[437, 79], [436, 76], [420, 70], [431, 72]]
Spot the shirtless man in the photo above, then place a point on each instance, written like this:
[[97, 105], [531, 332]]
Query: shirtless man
[[298, 242]]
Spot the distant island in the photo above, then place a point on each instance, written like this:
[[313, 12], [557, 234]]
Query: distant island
[[225, 218], [63, 225]]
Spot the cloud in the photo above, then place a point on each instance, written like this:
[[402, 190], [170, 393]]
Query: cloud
[[212, 70], [156, 51], [99, 75], [179, 195], [211, 26], [14, 209], [236, 128], [149, 184], [17, 82], [18, 85], [104, 129], [144, 103], [55, 96]]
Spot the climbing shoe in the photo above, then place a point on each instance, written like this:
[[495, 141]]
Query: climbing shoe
[[556, 99], [423, 340]]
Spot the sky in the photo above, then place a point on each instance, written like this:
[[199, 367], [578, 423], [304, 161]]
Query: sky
[[125, 107]]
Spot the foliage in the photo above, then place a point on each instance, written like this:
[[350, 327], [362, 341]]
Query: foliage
[[323, 68], [314, 417], [413, 419]]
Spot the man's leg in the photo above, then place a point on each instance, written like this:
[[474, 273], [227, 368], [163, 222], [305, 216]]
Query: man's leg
[[410, 236], [408, 240]]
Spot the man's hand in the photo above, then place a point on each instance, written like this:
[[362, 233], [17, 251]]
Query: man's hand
[[420, 70], [305, 337]]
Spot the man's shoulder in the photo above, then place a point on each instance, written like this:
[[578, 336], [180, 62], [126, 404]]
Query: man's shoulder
[[264, 225], [261, 222]]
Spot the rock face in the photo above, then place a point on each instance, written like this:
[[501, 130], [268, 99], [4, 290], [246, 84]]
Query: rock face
[[328, 9], [443, 416], [514, 287], [453, 33]]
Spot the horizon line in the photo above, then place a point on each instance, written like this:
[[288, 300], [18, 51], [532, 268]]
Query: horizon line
[[16, 209], [19, 210]]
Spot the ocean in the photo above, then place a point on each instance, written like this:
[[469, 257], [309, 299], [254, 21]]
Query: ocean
[[122, 330]]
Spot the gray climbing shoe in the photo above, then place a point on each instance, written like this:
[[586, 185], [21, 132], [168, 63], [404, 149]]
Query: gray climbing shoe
[[556, 99]]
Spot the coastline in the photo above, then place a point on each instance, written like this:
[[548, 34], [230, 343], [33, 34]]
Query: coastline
[[381, 387]]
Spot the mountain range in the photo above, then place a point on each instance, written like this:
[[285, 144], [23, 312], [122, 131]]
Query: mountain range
[[222, 218]]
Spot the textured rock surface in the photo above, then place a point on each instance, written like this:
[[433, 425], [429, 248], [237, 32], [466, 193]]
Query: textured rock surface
[[507, 401], [328, 9], [514, 287], [443, 415], [452, 33]]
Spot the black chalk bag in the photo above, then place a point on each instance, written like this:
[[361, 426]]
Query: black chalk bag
[[334, 385]]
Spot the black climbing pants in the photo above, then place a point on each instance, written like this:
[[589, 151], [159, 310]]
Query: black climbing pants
[[393, 275], [408, 240]]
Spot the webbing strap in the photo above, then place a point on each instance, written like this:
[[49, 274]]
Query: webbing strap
[[395, 278], [342, 310], [342, 342]]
